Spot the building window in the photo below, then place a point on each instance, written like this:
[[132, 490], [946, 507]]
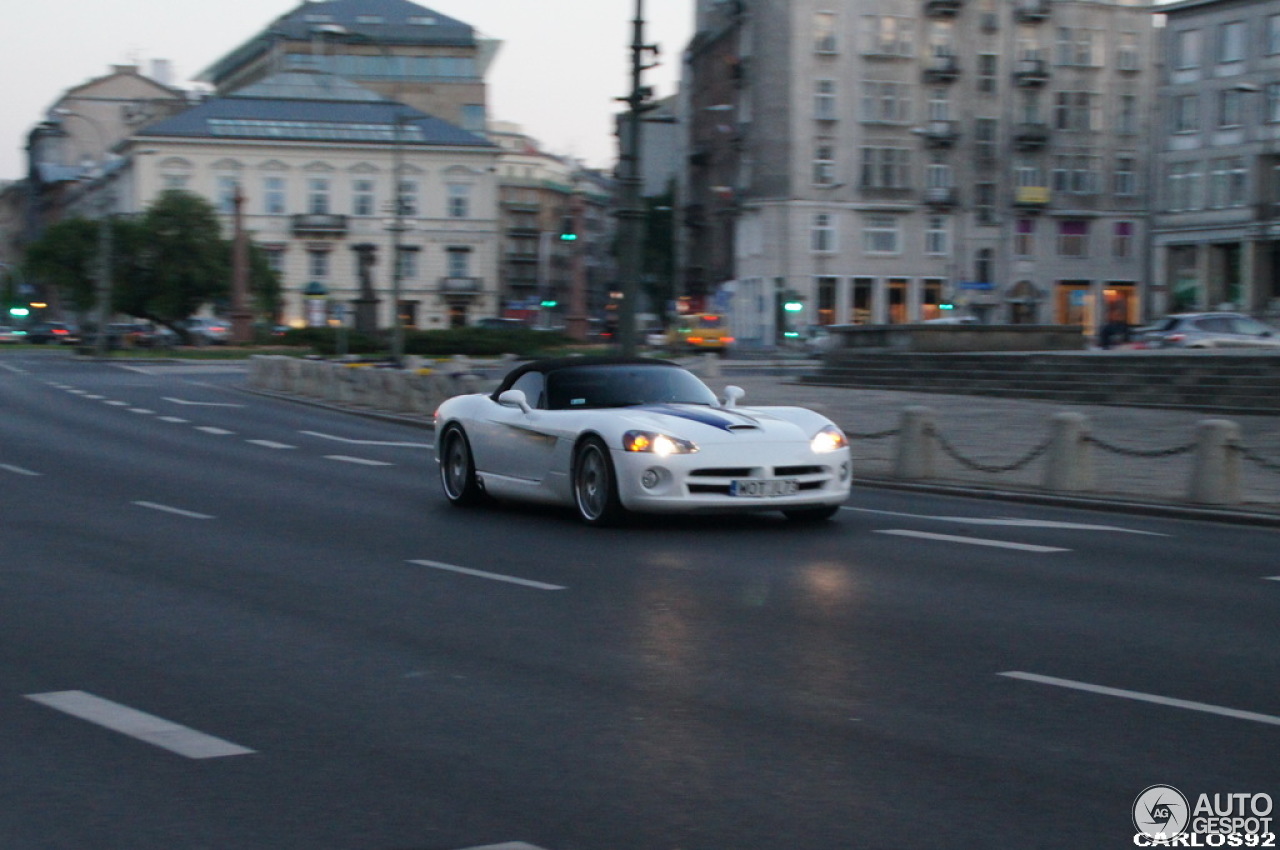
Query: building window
[[407, 262], [824, 100], [1184, 186], [822, 234], [1186, 50], [1024, 237], [988, 69], [984, 136], [459, 261], [318, 265], [939, 106], [937, 175], [275, 258], [1273, 103], [226, 197], [1231, 108], [362, 201], [1127, 114], [885, 102], [318, 196], [1077, 110], [1122, 240], [1076, 173], [984, 202], [935, 235], [1126, 175], [473, 117], [880, 234], [1073, 238], [1186, 113], [176, 181], [888, 35], [1273, 35], [1227, 182], [1079, 46], [1028, 174], [885, 168], [824, 165], [1127, 58], [1231, 42], [273, 196], [824, 32], [459, 200], [408, 197]]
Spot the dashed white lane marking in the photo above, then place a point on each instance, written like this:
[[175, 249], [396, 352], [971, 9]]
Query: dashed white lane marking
[[972, 541], [1273, 578], [96, 397], [271, 444], [115, 403], [537, 585], [355, 442], [1141, 697], [76, 391], [169, 509], [1012, 522], [18, 470], [201, 403], [175, 419], [140, 410], [509, 845], [360, 460], [138, 724], [15, 370], [209, 429]]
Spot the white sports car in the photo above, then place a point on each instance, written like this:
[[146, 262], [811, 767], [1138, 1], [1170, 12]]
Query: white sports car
[[611, 435]]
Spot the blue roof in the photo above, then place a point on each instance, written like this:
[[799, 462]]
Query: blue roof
[[387, 21], [331, 110]]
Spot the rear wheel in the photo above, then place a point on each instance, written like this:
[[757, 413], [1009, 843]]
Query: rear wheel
[[821, 514], [595, 487], [458, 469]]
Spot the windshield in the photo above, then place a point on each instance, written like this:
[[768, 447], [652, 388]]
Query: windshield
[[583, 387]]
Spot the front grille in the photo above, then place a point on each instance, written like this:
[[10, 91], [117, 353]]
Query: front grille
[[792, 471], [725, 472]]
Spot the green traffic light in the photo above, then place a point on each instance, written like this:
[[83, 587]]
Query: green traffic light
[[549, 303], [568, 237], [793, 306], [19, 312]]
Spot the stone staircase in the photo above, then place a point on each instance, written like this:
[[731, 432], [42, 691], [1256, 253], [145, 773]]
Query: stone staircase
[[1215, 382]]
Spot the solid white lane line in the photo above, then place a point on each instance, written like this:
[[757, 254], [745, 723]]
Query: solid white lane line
[[537, 585], [17, 470], [138, 724], [201, 403], [972, 541], [1141, 697], [1012, 522], [209, 429], [360, 460], [354, 442], [155, 506], [271, 444]]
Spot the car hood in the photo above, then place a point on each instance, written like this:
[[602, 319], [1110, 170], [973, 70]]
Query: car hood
[[721, 424]]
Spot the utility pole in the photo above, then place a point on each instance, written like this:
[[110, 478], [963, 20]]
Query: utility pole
[[241, 314], [631, 212]]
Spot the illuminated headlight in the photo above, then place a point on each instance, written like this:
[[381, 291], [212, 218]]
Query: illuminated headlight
[[658, 444], [829, 439]]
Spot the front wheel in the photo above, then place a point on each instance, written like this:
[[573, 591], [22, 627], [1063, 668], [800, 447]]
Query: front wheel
[[821, 514], [595, 487], [458, 469]]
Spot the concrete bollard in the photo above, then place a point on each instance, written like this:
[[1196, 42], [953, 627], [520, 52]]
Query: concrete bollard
[[1215, 475], [917, 447], [1069, 465]]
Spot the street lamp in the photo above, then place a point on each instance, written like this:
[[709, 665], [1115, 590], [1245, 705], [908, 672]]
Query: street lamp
[[103, 285], [397, 226]]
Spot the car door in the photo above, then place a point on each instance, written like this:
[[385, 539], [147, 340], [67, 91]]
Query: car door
[[513, 442]]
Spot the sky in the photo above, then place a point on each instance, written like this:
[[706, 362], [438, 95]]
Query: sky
[[561, 64]]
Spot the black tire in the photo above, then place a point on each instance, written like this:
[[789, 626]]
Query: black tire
[[595, 486], [458, 469], [821, 514]]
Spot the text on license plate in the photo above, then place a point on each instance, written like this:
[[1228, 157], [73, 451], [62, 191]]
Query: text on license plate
[[763, 487]]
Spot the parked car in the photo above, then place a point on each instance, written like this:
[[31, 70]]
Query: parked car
[[208, 331], [1209, 330], [605, 436], [10, 334], [45, 333]]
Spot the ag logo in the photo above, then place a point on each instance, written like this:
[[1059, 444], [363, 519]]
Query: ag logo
[[1161, 810]]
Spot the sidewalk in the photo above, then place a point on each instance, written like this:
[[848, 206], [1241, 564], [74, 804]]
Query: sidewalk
[[995, 432]]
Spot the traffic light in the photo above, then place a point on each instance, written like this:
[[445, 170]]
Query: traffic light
[[793, 306], [567, 230], [549, 303], [19, 312]]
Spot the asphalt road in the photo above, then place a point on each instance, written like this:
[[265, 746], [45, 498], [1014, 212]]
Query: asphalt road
[[237, 622]]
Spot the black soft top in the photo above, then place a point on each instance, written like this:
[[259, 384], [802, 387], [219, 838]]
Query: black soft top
[[555, 363]]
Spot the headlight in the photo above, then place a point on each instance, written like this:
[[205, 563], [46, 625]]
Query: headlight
[[658, 444], [829, 439]]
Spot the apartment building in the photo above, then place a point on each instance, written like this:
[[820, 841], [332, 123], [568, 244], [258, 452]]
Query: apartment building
[[1217, 218], [884, 161]]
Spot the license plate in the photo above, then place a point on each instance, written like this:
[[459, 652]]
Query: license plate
[[763, 487]]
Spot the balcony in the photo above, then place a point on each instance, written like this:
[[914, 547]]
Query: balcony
[[941, 69], [1031, 11], [1030, 137], [459, 286], [942, 8], [941, 196], [1031, 197], [939, 134], [319, 225], [1031, 73]]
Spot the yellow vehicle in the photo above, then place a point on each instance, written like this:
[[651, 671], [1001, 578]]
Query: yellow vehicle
[[699, 332]]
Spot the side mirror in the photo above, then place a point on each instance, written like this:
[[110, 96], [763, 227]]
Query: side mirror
[[732, 395], [514, 398]]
